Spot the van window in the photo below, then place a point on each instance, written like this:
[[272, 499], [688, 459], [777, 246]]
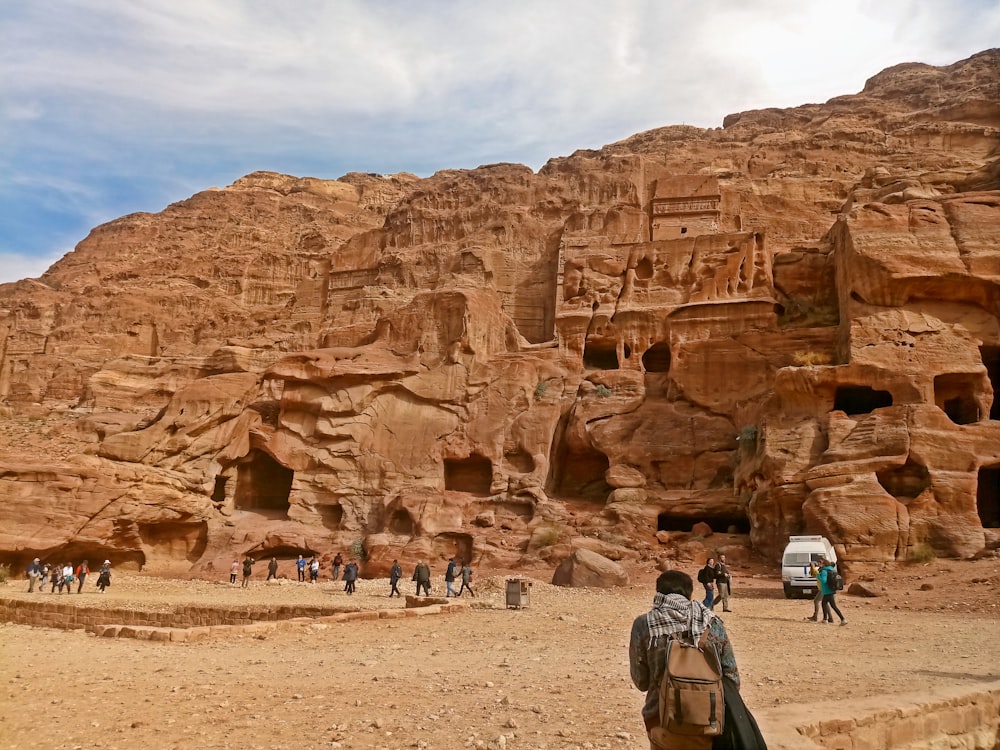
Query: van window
[[796, 559]]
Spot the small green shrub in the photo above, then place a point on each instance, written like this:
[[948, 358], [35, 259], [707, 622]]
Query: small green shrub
[[4, 572], [541, 389], [358, 551], [602, 390], [921, 553]]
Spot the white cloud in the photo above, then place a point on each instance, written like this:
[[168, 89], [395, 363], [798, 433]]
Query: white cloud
[[134, 100], [15, 266]]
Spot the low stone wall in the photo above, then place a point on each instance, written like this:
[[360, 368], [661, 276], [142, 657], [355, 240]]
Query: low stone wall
[[203, 620], [956, 718]]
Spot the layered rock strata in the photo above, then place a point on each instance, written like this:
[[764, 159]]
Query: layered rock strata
[[785, 325]]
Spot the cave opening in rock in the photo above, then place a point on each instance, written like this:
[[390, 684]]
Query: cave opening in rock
[[657, 358], [219, 492], [332, 515], [451, 545], [263, 485], [991, 360], [988, 497], [600, 356], [400, 522], [578, 472], [860, 399], [473, 474], [723, 523], [175, 540], [906, 481], [954, 394], [282, 552]]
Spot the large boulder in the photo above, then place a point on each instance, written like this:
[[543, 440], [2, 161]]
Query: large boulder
[[585, 568]]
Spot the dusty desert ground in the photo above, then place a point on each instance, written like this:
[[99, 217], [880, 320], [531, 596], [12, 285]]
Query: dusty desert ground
[[552, 675]]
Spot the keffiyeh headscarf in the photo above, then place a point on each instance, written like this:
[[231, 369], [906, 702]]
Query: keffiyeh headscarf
[[673, 614]]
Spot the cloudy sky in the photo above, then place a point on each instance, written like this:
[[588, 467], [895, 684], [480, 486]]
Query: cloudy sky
[[113, 106]]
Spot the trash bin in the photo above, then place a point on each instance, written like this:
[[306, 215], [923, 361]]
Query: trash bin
[[517, 593]]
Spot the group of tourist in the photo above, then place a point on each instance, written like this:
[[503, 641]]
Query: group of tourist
[[62, 576], [422, 577], [350, 572]]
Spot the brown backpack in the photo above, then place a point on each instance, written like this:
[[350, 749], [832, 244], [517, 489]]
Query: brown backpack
[[691, 697]]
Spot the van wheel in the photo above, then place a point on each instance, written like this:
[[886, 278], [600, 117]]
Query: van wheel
[[789, 592]]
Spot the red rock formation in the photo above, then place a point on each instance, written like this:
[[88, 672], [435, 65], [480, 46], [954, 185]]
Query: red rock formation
[[789, 324]]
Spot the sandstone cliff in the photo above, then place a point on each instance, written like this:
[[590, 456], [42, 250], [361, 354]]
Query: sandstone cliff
[[787, 324]]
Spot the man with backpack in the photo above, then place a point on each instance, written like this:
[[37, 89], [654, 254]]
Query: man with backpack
[[450, 574], [706, 577], [830, 582], [690, 630]]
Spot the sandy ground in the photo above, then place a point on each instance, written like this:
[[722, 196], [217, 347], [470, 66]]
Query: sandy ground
[[552, 675]]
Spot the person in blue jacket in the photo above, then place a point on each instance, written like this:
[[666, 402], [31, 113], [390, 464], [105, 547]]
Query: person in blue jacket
[[825, 579]]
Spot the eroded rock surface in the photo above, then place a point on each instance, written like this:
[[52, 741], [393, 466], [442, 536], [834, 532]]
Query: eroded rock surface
[[788, 324]]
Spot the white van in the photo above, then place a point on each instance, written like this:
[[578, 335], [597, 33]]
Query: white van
[[795, 560]]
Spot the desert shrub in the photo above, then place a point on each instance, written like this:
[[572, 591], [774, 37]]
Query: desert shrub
[[602, 390], [921, 553], [4, 572], [546, 536], [541, 389], [804, 359], [358, 551]]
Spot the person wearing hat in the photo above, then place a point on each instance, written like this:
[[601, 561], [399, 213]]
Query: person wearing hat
[[104, 578], [34, 572]]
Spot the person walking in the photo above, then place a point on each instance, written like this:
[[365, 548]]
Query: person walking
[[272, 569], [350, 576], [814, 567], [827, 575], [395, 574], [674, 615], [450, 575], [466, 578], [338, 561], [300, 567], [422, 576], [104, 576], [34, 573], [723, 584], [81, 574], [247, 570], [67, 578], [313, 570], [706, 577], [234, 570]]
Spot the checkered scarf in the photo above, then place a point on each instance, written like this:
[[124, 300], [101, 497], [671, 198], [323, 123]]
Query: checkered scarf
[[674, 614]]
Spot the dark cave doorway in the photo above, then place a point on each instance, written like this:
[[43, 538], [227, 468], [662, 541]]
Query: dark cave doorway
[[860, 399], [721, 524], [263, 485], [988, 497], [473, 475]]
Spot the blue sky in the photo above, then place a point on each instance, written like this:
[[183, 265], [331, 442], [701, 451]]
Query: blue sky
[[109, 107]]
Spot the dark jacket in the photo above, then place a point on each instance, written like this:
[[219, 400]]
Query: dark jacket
[[422, 573], [706, 575], [351, 572], [449, 574], [395, 574]]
